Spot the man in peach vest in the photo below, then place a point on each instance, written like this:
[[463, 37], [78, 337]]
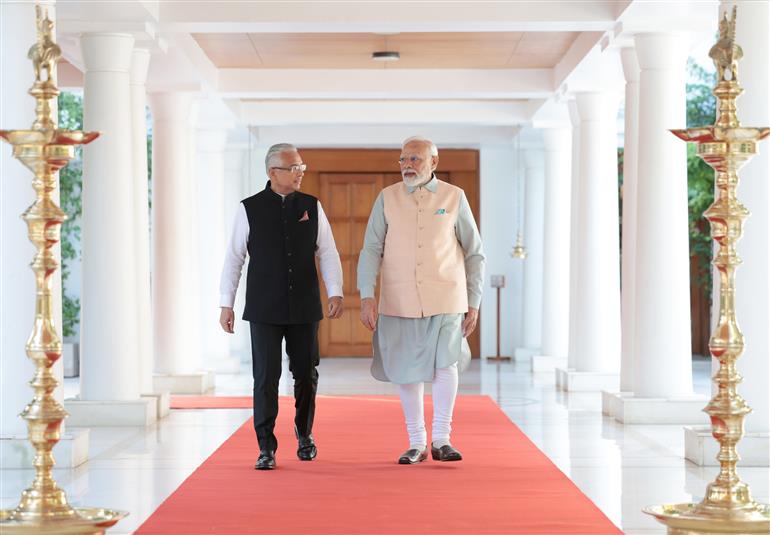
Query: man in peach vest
[[423, 241]]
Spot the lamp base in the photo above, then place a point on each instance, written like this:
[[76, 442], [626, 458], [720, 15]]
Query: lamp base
[[91, 520], [685, 519]]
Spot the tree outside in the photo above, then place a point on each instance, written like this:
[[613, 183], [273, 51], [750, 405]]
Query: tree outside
[[70, 186], [701, 111]]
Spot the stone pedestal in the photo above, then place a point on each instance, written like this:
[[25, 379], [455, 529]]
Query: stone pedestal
[[547, 363], [162, 402], [701, 448], [111, 413], [577, 381], [184, 383], [524, 354], [627, 409], [72, 450]]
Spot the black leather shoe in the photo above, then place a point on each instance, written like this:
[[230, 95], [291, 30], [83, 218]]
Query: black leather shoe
[[306, 449], [413, 456], [445, 453], [266, 460]]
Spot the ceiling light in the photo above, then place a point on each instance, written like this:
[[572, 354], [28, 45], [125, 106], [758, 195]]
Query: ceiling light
[[386, 56]]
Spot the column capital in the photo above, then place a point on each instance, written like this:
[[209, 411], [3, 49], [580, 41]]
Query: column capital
[[234, 157], [171, 105], [211, 140], [596, 106], [557, 139], [534, 158], [661, 50], [574, 116], [106, 51], [140, 65], [630, 64]]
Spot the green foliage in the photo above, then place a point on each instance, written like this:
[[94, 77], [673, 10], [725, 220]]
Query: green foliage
[[70, 187], [701, 104], [701, 111]]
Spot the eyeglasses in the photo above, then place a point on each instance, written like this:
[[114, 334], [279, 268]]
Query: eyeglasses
[[296, 168], [414, 160]]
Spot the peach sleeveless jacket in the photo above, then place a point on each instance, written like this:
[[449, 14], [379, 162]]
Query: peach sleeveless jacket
[[423, 265]]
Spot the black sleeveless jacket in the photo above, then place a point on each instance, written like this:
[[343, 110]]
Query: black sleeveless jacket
[[282, 282]]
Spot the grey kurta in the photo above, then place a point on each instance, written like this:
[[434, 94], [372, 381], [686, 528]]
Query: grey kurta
[[408, 350]]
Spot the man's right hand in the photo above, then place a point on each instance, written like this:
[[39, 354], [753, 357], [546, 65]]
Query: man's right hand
[[227, 319], [369, 313]]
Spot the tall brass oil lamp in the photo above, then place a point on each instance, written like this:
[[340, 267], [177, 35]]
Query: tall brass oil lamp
[[44, 149], [727, 506]]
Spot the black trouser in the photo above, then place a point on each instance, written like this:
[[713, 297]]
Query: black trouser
[[302, 347]]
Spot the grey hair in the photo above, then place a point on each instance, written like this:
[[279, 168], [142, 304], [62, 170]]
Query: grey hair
[[275, 150], [431, 145]]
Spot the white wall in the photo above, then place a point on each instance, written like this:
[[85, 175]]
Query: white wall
[[498, 232]]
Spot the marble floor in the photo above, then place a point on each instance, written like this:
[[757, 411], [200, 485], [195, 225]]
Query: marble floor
[[621, 468]]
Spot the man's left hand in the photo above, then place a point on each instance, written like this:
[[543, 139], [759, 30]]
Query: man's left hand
[[469, 324], [335, 307]]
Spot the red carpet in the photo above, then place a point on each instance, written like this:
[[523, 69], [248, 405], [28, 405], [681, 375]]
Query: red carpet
[[211, 402], [504, 485]]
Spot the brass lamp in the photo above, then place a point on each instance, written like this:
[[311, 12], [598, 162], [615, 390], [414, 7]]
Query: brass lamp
[[519, 251], [44, 149], [727, 506]]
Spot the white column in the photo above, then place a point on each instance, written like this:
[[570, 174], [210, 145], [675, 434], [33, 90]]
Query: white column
[[752, 284], [177, 354], [752, 288], [140, 62], [210, 178], [597, 307], [612, 401], [534, 205], [109, 364], [574, 236], [193, 215], [628, 246], [663, 367], [499, 198], [108, 322], [556, 243], [236, 160], [662, 351], [17, 111]]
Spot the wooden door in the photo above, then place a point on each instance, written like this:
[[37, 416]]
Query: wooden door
[[347, 181], [347, 199]]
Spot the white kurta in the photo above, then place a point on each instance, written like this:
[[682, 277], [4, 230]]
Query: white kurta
[[408, 350]]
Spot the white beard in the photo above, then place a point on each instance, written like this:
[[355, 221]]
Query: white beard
[[417, 180]]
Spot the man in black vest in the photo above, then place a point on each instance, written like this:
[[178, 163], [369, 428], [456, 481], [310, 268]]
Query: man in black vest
[[282, 230]]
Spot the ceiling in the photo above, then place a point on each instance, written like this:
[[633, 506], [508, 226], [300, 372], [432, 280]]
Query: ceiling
[[302, 70], [426, 50]]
